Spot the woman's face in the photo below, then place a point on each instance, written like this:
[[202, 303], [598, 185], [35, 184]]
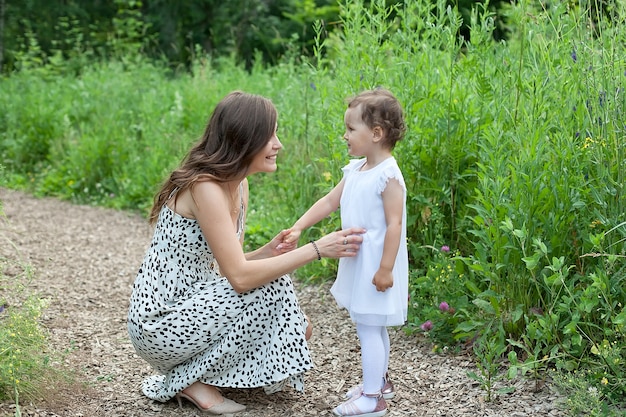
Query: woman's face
[[265, 160]]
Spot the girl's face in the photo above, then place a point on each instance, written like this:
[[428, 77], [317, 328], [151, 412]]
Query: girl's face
[[265, 161], [358, 135]]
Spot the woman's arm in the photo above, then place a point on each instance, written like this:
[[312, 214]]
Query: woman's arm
[[212, 210], [272, 248]]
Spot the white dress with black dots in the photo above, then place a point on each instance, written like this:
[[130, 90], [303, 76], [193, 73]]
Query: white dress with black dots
[[188, 322]]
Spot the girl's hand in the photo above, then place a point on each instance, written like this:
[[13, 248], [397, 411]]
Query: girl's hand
[[382, 280], [279, 244], [292, 237]]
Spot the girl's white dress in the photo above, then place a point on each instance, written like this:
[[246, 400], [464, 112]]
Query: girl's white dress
[[361, 205]]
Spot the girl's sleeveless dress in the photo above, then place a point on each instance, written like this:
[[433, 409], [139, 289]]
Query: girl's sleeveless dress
[[361, 205], [186, 320]]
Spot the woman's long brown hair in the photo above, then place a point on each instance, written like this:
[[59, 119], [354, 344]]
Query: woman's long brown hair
[[239, 128]]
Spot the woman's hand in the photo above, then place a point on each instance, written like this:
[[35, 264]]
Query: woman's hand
[[293, 236], [342, 243], [280, 244], [289, 240]]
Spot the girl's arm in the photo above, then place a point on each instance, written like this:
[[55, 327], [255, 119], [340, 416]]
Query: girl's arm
[[393, 204], [211, 208], [322, 208]]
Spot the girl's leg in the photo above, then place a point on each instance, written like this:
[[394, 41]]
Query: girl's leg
[[387, 344], [373, 363]]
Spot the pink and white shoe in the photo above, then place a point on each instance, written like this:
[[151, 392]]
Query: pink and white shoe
[[350, 409], [388, 391]]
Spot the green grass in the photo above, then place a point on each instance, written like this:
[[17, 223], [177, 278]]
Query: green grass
[[513, 159]]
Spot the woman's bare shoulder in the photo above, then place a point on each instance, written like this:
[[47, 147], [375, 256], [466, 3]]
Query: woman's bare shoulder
[[187, 200]]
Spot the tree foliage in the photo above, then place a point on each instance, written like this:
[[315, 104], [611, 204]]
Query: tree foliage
[[174, 31]]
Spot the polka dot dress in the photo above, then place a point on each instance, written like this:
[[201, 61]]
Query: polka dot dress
[[190, 325]]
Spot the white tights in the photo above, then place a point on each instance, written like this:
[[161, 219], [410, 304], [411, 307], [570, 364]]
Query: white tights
[[374, 361]]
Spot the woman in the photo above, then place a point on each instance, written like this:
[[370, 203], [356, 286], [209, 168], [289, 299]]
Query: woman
[[202, 312]]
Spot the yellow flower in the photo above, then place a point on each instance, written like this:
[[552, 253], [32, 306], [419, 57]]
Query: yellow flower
[[595, 223], [604, 381], [327, 176]]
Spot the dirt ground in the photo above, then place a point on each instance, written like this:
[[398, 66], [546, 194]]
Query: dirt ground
[[85, 259]]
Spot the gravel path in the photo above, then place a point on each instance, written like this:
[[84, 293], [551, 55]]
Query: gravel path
[[85, 258]]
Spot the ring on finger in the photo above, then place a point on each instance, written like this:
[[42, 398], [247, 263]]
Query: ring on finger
[[345, 241]]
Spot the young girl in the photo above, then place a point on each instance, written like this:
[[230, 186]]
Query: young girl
[[202, 312], [373, 286]]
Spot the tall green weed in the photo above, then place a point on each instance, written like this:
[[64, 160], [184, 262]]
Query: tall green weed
[[27, 363]]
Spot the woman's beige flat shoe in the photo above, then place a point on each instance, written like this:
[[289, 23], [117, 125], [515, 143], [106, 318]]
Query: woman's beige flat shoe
[[225, 407]]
